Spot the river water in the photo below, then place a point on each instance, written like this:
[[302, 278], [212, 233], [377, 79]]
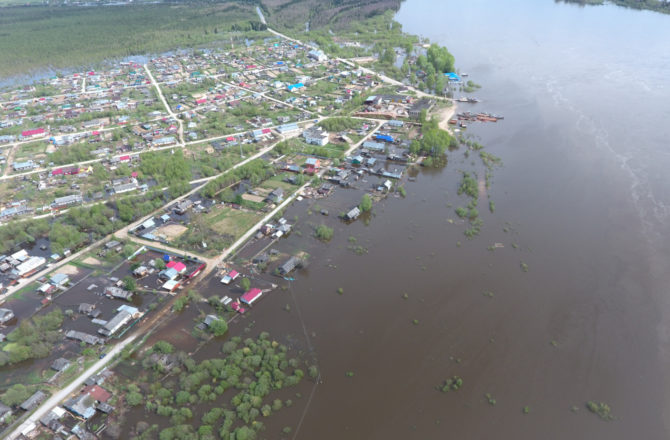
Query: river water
[[583, 192]]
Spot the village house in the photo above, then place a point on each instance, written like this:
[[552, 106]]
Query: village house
[[141, 271], [288, 128], [86, 309], [24, 166], [120, 186], [33, 401], [59, 280], [33, 134], [420, 105], [29, 266], [83, 337], [14, 210], [317, 55], [6, 315], [316, 136], [61, 202], [251, 296], [353, 214], [183, 206], [118, 293], [60, 364], [231, 276], [288, 266], [276, 196], [124, 315], [82, 406]]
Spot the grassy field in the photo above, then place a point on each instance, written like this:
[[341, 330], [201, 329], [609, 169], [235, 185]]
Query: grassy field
[[231, 221], [39, 37]]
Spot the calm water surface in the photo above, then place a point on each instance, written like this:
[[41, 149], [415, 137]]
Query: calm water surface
[[583, 192]]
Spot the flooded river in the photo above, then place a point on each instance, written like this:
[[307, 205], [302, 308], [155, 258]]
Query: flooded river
[[584, 194]]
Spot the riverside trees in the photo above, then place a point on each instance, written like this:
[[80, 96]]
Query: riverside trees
[[238, 388]]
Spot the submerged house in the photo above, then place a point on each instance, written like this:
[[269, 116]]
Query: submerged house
[[353, 214], [288, 266]]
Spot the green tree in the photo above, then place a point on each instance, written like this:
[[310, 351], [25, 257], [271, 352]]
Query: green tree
[[129, 283], [15, 395], [324, 233], [440, 58], [163, 347], [134, 398], [245, 284], [366, 203], [219, 326]]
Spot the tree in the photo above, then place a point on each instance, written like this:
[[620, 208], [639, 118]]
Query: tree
[[160, 264], [245, 284], [366, 203], [440, 58], [324, 233], [129, 283], [219, 327], [134, 398], [15, 395], [163, 347]]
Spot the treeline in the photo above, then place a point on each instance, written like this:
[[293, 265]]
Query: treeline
[[653, 5], [34, 338], [61, 37]]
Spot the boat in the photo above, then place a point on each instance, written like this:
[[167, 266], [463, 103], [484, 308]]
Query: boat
[[289, 278]]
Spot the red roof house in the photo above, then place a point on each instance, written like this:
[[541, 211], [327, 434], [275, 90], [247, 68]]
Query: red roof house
[[33, 133], [98, 393], [176, 265], [251, 296]]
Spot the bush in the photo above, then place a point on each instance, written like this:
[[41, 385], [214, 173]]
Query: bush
[[324, 233], [366, 203]]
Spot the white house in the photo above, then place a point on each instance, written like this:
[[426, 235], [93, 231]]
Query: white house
[[316, 136]]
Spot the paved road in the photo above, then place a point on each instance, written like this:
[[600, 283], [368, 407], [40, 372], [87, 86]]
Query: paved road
[[71, 388]]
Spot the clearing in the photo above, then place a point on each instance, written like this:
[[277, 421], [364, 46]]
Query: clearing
[[231, 221], [171, 231]]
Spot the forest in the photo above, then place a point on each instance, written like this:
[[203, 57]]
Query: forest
[[653, 5], [44, 37]]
